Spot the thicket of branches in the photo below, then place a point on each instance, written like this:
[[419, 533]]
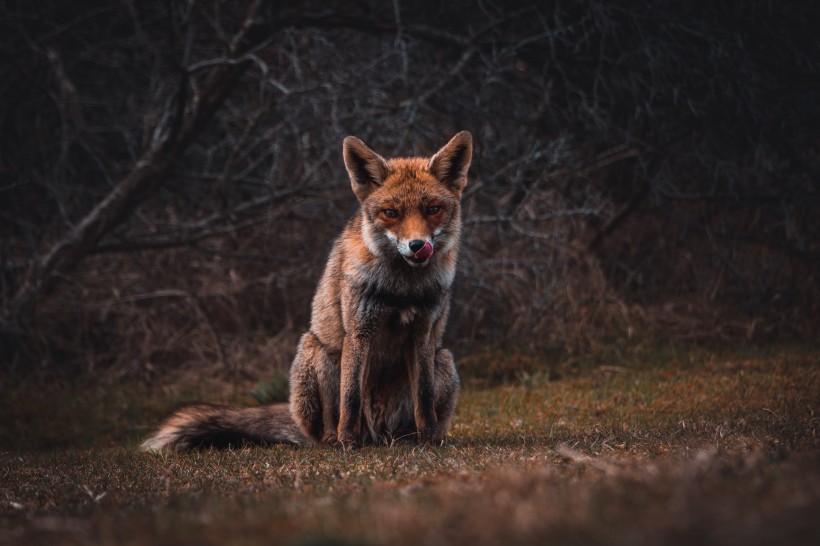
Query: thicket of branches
[[172, 176]]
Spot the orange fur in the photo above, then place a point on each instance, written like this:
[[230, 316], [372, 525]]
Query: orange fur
[[371, 367]]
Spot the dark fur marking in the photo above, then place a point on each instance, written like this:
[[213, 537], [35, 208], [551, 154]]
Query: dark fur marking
[[456, 162], [373, 296], [363, 175], [214, 432]]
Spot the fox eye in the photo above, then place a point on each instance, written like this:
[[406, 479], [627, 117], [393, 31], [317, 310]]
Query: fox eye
[[433, 210], [390, 213]]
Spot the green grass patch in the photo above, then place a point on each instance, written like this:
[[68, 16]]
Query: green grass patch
[[683, 448]]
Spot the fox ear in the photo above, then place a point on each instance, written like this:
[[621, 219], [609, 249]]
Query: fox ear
[[366, 168], [450, 164]]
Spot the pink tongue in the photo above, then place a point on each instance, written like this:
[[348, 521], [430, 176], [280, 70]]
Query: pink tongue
[[424, 252]]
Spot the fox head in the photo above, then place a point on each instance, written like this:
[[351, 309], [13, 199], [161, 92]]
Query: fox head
[[410, 206]]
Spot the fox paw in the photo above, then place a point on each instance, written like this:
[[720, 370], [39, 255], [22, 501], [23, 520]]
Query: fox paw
[[432, 436], [346, 442]]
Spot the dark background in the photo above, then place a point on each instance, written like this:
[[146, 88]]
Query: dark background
[[171, 176]]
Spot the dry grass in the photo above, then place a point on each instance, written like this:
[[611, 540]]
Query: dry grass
[[687, 448]]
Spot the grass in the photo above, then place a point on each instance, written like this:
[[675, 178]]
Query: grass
[[680, 448]]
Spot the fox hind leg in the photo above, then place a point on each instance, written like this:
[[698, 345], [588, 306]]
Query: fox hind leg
[[314, 390]]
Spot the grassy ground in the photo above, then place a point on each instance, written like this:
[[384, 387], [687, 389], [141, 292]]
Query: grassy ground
[[686, 448]]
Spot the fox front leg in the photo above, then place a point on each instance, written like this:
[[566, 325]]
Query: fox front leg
[[355, 350], [421, 367]]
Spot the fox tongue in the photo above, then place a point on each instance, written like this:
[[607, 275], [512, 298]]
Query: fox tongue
[[424, 252]]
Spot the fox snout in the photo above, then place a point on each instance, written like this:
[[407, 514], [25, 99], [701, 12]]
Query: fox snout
[[421, 250], [416, 251]]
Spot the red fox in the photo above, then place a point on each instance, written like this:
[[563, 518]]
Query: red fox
[[371, 368]]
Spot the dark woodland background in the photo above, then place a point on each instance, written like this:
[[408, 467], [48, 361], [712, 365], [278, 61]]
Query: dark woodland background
[[171, 176]]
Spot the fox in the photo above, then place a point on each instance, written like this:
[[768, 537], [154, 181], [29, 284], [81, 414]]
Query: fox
[[371, 368]]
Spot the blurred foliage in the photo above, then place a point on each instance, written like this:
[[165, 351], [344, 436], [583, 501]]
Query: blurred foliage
[[642, 170]]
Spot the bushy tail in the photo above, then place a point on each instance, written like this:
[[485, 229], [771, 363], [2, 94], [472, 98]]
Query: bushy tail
[[204, 425]]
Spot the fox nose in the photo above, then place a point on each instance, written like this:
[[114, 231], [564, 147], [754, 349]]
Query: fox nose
[[415, 245]]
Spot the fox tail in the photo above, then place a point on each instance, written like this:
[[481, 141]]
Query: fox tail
[[207, 425]]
